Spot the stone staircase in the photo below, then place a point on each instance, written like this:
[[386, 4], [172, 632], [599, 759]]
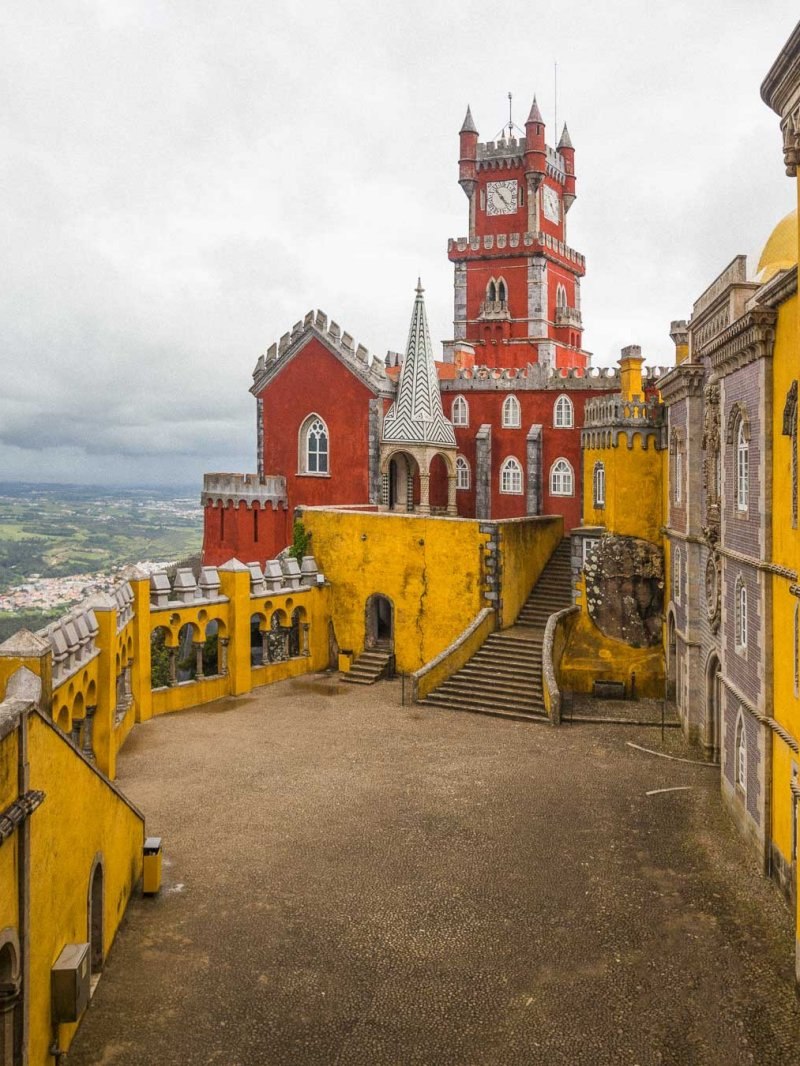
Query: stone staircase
[[370, 666], [504, 677]]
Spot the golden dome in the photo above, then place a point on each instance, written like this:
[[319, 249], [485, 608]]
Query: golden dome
[[780, 251]]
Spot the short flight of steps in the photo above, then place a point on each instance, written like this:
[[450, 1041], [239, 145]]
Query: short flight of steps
[[503, 678], [370, 666], [551, 593]]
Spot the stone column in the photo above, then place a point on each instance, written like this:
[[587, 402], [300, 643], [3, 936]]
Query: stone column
[[88, 726], [264, 648], [126, 675], [173, 666], [305, 648], [222, 665], [75, 736], [424, 493], [451, 495], [198, 659], [533, 474], [483, 472]]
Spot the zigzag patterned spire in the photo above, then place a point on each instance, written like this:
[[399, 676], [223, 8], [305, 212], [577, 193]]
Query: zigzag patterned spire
[[416, 416]]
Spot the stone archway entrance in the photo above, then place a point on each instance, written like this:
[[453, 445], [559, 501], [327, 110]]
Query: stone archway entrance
[[402, 470], [379, 623], [713, 709]]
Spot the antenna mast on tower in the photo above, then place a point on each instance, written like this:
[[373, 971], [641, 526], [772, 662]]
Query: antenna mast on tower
[[555, 98]]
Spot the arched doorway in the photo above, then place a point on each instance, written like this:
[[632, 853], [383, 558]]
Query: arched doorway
[[672, 657], [95, 918], [9, 995], [439, 491], [403, 482], [713, 708], [379, 622]]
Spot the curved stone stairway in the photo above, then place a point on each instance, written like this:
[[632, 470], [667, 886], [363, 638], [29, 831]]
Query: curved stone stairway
[[504, 677]]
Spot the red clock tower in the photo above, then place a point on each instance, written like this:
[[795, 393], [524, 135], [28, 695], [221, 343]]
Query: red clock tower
[[517, 281]]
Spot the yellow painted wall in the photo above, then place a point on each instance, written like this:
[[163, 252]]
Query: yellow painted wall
[[525, 546], [9, 914], [432, 569], [634, 489]]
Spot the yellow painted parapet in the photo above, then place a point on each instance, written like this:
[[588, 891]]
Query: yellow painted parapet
[[524, 547]]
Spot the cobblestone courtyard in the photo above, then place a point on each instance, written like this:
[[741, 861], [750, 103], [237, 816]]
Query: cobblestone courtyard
[[349, 881]]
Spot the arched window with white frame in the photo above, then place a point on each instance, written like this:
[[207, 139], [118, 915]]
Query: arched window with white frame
[[562, 479], [742, 466], [563, 413], [511, 476], [314, 447], [459, 412], [740, 768], [740, 609], [491, 291], [511, 413], [599, 485], [462, 472]]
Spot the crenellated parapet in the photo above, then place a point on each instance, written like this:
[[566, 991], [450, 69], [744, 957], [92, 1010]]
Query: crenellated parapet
[[533, 376], [276, 576], [73, 640], [607, 419], [219, 490], [460, 249], [369, 368]]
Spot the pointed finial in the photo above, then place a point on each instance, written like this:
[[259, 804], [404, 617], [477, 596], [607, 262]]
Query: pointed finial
[[536, 114], [468, 126], [420, 289], [565, 141]]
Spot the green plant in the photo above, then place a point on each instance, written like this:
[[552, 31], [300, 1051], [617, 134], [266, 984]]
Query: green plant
[[301, 539]]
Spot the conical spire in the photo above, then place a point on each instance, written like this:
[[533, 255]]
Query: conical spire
[[565, 141], [536, 114], [416, 416], [469, 125]]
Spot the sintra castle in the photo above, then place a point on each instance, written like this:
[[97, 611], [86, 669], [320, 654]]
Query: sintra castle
[[498, 522]]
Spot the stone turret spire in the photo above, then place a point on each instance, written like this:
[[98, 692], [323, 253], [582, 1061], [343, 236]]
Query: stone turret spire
[[536, 114], [566, 140], [416, 416], [469, 124]]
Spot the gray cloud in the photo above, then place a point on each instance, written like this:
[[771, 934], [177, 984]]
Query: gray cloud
[[182, 181]]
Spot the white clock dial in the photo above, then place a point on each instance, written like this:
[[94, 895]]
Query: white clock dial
[[502, 197], [551, 204]]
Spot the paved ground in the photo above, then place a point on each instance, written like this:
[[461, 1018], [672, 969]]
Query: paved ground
[[353, 882]]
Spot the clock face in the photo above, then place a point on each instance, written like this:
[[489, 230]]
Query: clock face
[[502, 197], [551, 204]]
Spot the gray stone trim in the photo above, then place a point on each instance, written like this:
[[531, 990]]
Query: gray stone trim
[[483, 472], [460, 301], [260, 436], [533, 471], [548, 666], [222, 489], [375, 429]]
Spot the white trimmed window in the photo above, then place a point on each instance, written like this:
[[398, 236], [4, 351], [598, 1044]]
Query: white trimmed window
[[462, 473], [741, 753], [563, 413], [678, 473], [511, 476], [562, 479], [599, 485], [314, 446], [561, 296], [677, 562], [459, 412], [741, 615], [742, 467], [511, 413]]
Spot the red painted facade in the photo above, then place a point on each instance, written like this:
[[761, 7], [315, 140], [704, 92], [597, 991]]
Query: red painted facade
[[250, 534]]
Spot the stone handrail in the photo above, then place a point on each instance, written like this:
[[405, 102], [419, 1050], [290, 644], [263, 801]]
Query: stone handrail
[[432, 674], [556, 624]]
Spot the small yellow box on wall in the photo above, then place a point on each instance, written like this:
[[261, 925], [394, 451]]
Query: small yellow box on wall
[[151, 866]]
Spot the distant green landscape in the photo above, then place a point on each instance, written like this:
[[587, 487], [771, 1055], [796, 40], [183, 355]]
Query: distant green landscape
[[58, 530]]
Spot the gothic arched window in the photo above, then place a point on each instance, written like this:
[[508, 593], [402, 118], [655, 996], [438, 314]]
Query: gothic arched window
[[459, 412], [562, 479], [511, 413], [511, 476], [742, 467], [740, 609], [563, 413], [314, 446], [502, 291], [741, 753], [462, 473], [561, 297], [491, 291]]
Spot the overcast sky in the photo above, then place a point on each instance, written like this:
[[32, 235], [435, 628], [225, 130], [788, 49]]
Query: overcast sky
[[182, 181]]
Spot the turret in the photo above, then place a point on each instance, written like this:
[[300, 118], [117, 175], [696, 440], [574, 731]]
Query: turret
[[630, 367], [468, 154], [679, 332], [535, 151], [567, 153]]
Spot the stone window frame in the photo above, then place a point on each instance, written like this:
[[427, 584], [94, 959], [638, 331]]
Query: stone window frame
[[511, 476], [303, 450], [740, 754], [677, 565], [599, 485], [459, 411], [463, 476], [738, 435], [563, 412], [562, 468], [511, 414], [740, 614]]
